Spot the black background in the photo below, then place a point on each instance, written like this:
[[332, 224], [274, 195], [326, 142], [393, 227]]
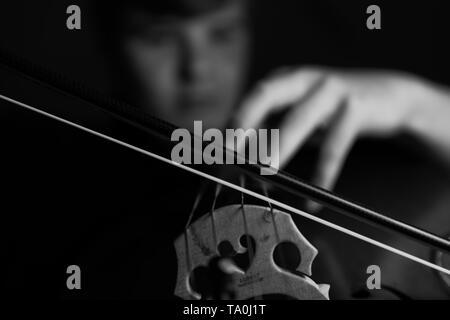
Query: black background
[[72, 199]]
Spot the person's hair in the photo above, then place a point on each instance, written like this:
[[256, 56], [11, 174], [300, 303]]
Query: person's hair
[[175, 7], [110, 14]]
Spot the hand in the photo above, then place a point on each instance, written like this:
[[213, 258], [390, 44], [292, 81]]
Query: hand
[[348, 104]]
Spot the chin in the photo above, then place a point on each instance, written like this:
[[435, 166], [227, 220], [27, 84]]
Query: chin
[[207, 123], [213, 118]]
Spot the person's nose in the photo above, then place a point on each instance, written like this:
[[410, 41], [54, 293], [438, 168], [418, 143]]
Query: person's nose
[[195, 64]]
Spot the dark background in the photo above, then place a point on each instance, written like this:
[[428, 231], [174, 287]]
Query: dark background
[[70, 198], [413, 36]]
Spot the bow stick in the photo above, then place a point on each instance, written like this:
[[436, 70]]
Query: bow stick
[[162, 130]]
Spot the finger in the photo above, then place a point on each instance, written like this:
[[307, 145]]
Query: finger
[[340, 139], [334, 152], [229, 267], [275, 94], [312, 113]]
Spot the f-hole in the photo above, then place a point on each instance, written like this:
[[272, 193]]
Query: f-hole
[[286, 255], [242, 260]]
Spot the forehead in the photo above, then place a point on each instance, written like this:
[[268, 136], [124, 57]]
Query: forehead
[[230, 13]]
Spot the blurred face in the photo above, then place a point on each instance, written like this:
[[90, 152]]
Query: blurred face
[[189, 68]]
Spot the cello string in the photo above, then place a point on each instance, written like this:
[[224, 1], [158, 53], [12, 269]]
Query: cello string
[[213, 223], [250, 249], [186, 238], [194, 207], [235, 187], [277, 237], [214, 229]]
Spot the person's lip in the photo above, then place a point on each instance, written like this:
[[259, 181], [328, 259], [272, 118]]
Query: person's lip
[[197, 100]]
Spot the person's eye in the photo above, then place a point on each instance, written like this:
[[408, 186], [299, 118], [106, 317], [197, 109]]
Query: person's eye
[[225, 34], [159, 37]]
